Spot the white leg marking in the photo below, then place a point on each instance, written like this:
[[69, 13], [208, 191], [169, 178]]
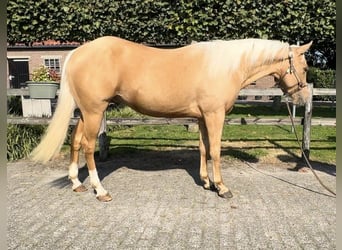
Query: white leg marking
[[96, 184], [73, 175]]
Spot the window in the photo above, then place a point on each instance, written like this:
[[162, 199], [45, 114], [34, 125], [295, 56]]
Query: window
[[53, 63]]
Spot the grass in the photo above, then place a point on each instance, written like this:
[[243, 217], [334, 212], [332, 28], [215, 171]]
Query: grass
[[248, 142]]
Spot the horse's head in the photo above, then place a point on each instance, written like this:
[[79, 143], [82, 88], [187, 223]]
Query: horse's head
[[292, 74]]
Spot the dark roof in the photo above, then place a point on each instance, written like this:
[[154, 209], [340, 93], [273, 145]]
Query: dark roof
[[52, 44], [48, 44]]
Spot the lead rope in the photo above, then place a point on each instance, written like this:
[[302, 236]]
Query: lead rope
[[304, 155]]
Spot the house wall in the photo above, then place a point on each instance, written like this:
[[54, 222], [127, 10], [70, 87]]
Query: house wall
[[36, 57]]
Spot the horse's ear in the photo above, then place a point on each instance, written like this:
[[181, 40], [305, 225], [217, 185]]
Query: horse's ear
[[302, 49]]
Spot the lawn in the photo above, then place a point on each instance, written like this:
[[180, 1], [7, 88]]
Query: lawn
[[248, 142], [265, 143]]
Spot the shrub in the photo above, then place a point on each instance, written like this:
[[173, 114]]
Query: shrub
[[322, 79], [44, 74], [21, 139], [14, 105]]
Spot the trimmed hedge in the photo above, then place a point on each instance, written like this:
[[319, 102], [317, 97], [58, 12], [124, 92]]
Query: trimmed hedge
[[322, 79], [175, 22]]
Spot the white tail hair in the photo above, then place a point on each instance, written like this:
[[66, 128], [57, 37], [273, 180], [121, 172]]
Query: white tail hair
[[55, 134]]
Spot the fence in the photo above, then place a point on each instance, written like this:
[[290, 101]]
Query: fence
[[306, 121]]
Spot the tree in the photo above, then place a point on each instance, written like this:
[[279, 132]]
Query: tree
[[178, 22]]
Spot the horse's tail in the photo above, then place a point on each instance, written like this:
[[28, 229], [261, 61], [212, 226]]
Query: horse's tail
[[55, 134]]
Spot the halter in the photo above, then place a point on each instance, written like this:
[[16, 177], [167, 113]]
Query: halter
[[292, 70]]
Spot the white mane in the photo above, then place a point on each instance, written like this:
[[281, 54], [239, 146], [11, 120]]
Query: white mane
[[226, 56]]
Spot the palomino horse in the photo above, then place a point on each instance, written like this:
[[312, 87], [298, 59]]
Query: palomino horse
[[201, 80]]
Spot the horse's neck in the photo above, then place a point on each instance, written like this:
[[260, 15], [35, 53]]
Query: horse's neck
[[257, 72], [267, 64]]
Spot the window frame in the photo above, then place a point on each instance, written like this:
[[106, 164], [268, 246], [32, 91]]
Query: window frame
[[52, 62]]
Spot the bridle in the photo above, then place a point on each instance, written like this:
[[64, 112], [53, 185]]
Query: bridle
[[292, 70]]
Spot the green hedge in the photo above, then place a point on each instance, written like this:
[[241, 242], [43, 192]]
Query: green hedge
[[322, 79]]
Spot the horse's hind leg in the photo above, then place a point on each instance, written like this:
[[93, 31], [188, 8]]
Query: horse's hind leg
[[214, 122], [92, 122], [76, 138]]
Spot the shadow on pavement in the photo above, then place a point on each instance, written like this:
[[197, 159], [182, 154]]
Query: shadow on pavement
[[141, 159], [316, 165]]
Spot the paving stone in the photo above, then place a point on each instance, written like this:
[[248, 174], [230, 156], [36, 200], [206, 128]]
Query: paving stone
[[156, 208]]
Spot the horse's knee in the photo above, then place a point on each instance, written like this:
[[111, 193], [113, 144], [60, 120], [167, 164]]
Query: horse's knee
[[215, 152]]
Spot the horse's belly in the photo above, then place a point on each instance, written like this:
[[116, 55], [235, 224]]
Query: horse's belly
[[163, 106]]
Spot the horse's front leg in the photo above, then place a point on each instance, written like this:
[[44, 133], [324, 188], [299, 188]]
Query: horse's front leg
[[214, 122], [91, 128], [204, 155]]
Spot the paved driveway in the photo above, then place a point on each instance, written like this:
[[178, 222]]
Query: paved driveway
[[158, 203]]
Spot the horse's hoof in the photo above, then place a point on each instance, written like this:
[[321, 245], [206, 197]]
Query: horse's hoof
[[226, 195], [104, 198], [80, 188]]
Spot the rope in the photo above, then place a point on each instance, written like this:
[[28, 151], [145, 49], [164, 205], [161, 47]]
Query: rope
[[303, 153]]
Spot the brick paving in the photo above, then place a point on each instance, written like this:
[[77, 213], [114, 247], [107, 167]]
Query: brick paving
[[163, 206]]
